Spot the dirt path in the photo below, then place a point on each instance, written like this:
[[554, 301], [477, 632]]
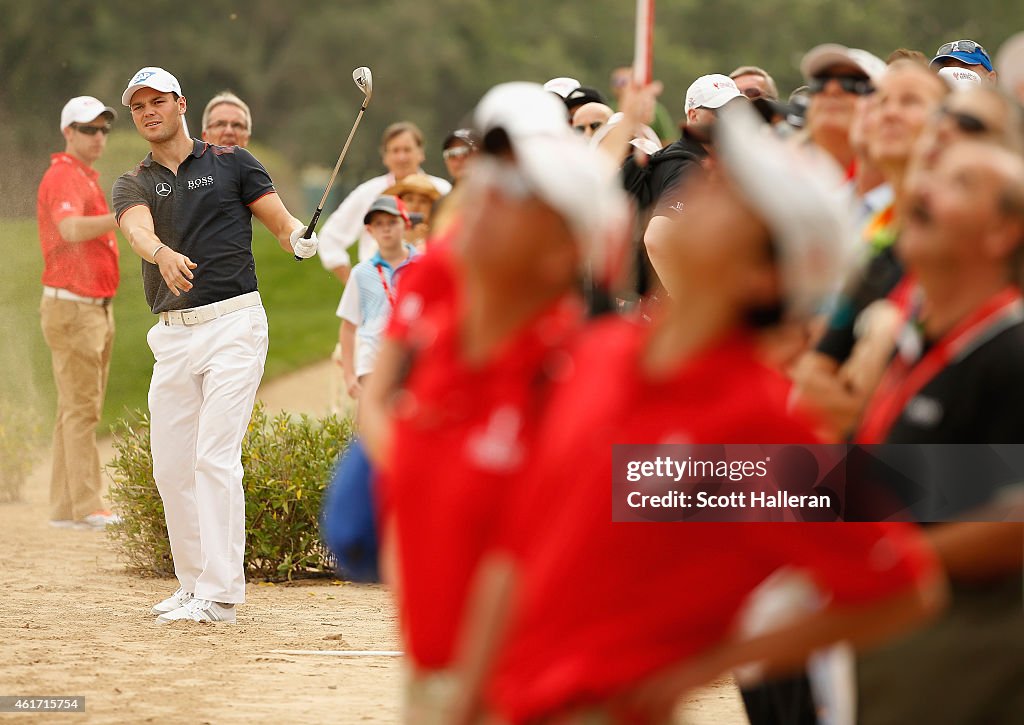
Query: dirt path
[[72, 622]]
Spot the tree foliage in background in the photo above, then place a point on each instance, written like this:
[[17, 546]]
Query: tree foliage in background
[[431, 60]]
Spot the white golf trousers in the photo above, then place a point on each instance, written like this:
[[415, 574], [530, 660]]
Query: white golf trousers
[[200, 402]]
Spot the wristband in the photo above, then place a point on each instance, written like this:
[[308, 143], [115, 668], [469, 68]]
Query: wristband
[[162, 246]]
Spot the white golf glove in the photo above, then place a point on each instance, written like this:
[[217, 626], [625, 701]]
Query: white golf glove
[[303, 248]]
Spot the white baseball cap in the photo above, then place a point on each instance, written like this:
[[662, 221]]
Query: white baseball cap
[[151, 77], [819, 58], [577, 182], [521, 109], [959, 78], [800, 198], [711, 91], [83, 109], [562, 86]]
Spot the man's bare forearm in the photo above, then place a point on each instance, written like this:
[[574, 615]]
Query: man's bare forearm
[[76, 229]]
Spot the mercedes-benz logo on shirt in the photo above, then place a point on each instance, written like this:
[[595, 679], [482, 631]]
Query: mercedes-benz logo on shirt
[[163, 189]]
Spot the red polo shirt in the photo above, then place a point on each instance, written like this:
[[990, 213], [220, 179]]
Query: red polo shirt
[[602, 605], [69, 188], [427, 293], [462, 438]]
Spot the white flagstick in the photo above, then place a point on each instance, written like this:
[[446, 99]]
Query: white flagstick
[[643, 47]]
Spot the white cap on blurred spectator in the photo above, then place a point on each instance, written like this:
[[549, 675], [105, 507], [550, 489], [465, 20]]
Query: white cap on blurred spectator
[[821, 57], [577, 182], [151, 77], [959, 78], [711, 91], [562, 86], [83, 109], [1010, 64], [521, 109], [799, 198]]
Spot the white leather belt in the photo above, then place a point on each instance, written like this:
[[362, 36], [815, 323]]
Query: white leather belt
[[199, 315], [62, 294]]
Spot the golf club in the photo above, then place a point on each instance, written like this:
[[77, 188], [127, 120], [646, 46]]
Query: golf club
[[364, 79]]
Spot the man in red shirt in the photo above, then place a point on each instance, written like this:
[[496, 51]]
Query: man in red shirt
[[80, 276], [613, 621], [536, 212]]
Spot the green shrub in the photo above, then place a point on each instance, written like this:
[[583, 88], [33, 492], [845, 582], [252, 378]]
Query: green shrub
[[287, 463], [20, 436]]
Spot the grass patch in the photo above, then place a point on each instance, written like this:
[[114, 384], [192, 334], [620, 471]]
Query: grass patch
[[300, 299]]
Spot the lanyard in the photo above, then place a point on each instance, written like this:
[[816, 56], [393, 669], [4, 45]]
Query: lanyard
[[903, 380], [387, 289]]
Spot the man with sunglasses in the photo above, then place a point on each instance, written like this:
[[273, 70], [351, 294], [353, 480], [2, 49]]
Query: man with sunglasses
[[80, 277], [964, 54], [836, 77], [458, 147]]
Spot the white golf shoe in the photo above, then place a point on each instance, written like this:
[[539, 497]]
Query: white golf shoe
[[178, 599], [200, 610]]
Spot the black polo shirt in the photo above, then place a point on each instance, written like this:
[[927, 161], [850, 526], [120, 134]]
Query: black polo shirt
[[979, 398], [655, 185], [203, 213]]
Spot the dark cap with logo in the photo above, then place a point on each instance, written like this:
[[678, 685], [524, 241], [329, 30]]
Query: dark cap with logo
[[389, 205]]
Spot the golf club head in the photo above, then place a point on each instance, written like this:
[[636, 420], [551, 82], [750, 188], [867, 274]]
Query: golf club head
[[364, 79]]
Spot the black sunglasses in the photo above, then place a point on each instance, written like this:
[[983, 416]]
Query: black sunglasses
[[91, 130], [593, 126], [858, 85], [962, 46], [967, 123]]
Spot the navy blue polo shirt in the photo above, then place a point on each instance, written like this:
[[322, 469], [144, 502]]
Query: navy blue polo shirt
[[202, 212]]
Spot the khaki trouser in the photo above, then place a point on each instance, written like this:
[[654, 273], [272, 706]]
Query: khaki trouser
[[80, 337]]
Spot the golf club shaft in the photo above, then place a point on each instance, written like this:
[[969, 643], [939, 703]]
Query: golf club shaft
[[337, 167]]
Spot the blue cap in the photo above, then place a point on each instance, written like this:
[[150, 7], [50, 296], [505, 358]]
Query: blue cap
[[966, 51]]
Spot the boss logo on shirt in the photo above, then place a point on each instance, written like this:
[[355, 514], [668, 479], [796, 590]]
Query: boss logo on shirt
[[200, 182]]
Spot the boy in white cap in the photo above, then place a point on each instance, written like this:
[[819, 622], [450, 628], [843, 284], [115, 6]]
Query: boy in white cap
[[80, 278], [186, 210]]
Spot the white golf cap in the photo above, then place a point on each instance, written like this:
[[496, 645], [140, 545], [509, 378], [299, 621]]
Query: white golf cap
[[799, 196], [522, 109], [711, 91], [959, 78], [562, 86], [151, 77], [582, 185], [822, 57], [83, 109], [577, 182]]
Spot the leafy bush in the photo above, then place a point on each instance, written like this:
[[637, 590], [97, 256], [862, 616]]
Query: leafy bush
[[287, 463], [19, 447]]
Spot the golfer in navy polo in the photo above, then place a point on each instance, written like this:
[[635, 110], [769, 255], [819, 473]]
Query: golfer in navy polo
[[187, 211]]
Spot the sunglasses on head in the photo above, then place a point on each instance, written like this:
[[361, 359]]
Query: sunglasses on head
[[967, 123], [858, 85], [91, 130], [457, 153], [593, 126], [962, 46]]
